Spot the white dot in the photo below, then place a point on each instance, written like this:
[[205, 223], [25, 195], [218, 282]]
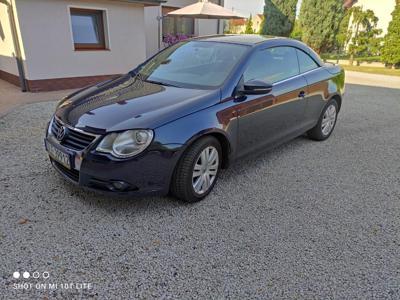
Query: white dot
[[46, 275], [36, 275], [26, 275], [16, 275]]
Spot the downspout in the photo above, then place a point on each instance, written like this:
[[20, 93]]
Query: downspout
[[17, 49]]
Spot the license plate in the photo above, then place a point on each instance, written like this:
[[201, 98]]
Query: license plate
[[58, 155]]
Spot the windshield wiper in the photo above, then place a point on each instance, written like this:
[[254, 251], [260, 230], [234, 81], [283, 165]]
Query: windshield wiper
[[161, 83]]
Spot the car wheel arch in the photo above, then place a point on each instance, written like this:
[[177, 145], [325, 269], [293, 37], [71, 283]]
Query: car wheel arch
[[338, 100], [337, 97], [222, 139]]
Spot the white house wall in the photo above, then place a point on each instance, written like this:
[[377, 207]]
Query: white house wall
[[7, 54], [151, 26], [382, 9], [207, 27], [47, 39]]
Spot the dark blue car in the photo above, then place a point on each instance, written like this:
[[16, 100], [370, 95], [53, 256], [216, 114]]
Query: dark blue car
[[172, 123]]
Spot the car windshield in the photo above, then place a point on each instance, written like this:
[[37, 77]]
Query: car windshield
[[193, 64]]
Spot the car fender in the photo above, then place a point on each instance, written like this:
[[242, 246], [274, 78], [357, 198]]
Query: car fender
[[218, 120]]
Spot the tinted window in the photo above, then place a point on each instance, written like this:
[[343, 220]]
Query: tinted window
[[272, 65], [194, 64], [306, 63]]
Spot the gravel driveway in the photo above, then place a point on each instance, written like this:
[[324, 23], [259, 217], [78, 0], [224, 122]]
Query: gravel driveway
[[306, 220]]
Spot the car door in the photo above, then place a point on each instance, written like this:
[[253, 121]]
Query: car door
[[266, 120], [317, 87]]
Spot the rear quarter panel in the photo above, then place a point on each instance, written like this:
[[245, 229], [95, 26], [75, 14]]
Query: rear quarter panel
[[323, 84]]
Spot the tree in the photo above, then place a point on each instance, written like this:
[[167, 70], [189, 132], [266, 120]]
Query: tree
[[249, 26], [391, 48], [364, 40], [279, 17], [320, 21], [344, 34], [296, 32]]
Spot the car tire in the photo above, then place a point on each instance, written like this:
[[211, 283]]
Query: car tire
[[195, 161], [328, 118]]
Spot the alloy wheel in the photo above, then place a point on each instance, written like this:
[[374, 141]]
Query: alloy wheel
[[328, 120], [205, 170]]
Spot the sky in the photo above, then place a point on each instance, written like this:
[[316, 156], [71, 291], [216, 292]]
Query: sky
[[247, 7]]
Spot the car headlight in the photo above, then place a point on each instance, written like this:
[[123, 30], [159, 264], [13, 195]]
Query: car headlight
[[127, 143]]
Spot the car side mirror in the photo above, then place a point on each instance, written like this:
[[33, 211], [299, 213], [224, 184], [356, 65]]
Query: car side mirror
[[256, 87]]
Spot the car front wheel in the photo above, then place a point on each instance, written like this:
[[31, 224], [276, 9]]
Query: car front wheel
[[197, 170]]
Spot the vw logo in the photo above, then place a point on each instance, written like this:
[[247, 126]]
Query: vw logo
[[61, 133]]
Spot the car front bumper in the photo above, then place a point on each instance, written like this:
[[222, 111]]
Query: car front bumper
[[148, 173]]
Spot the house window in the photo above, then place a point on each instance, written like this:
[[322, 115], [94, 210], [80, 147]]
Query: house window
[[88, 29], [175, 25]]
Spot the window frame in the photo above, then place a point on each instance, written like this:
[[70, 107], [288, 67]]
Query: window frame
[[100, 15], [298, 61], [272, 47]]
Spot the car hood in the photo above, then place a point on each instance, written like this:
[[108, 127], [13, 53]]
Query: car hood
[[128, 102]]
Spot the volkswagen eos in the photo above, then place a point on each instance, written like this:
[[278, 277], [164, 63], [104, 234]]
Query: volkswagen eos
[[172, 123]]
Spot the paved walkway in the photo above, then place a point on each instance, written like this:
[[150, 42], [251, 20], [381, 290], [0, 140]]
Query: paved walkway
[[373, 79], [12, 97]]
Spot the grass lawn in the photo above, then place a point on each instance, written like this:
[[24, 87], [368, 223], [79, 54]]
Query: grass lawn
[[373, 70]]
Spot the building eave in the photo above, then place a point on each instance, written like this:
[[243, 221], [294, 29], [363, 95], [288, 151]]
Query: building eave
[[144, 2]]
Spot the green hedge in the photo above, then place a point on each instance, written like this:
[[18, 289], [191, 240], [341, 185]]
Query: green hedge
[[369, 59], [334, 56], [331, 56]]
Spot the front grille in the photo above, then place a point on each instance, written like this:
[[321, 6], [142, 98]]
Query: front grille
[[72, 174], [73, 139]]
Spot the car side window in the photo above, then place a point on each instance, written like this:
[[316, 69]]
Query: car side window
[[272, 65], [306, 63]]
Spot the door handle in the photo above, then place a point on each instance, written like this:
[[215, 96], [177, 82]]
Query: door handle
[[302, 94]]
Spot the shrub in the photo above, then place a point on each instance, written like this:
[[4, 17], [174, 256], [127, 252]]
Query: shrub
[[171, 39]]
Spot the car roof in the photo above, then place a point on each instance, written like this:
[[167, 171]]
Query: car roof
[[243, 39], [254, 40]]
